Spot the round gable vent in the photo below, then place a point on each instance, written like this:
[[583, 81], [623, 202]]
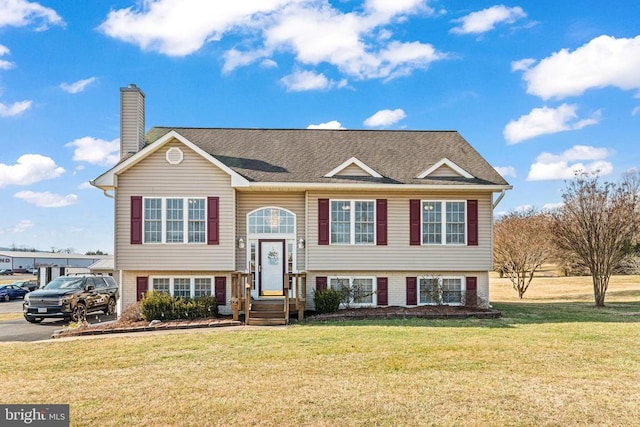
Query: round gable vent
[[174, 156]]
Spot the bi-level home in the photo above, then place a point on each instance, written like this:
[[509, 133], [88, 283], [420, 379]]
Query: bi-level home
[[256, 214]]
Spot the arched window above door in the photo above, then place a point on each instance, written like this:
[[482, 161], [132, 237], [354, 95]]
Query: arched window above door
[[271, 221]]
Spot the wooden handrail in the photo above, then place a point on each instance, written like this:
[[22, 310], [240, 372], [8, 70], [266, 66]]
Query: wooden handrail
[[286, 298]]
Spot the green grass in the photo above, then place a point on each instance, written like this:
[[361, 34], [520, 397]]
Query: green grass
[[552, 359]]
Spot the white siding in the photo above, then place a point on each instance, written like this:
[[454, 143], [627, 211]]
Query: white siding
[[397, 283], [129, 284], [398, 255], [194, 177]]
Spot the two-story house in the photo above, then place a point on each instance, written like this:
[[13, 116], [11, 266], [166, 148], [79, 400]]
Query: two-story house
[[405, 216]]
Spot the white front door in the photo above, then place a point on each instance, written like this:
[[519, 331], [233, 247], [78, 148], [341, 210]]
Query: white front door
[[272, 266]]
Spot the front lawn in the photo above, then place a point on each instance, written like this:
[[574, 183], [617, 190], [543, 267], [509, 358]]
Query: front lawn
[[552, 359]]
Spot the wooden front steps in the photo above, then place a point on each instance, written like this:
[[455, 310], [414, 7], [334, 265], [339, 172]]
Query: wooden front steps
[[267, 312]]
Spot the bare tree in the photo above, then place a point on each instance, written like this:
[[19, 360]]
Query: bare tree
[[596, 223], [520, 246]]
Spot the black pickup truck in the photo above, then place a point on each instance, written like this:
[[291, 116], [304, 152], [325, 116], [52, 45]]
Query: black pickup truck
[[71, 297]]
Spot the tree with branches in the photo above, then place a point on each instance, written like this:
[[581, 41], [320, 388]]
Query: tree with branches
[[521, 245], [597, 223]]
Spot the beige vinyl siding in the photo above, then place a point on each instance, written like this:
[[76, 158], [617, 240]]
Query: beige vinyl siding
[[353, 170], [443, 170], [250, 201], [397, 283], [129, 291], [398, 255], [193, 177], [132, 121]]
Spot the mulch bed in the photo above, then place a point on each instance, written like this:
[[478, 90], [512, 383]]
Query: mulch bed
[[424, 312]]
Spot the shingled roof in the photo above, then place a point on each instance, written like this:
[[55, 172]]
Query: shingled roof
[[306, 155]]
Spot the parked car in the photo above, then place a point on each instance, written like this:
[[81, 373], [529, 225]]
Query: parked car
[[9, 292], [6, 272], [71, 297], [29, 285]]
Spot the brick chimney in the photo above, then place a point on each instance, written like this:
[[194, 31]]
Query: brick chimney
[[131, 120]]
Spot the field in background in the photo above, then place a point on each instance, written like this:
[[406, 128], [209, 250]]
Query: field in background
[[552, 359]]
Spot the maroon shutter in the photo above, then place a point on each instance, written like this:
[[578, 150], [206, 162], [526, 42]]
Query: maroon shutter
[[323, 221], [412, 291], [321, 283], [213, 220], [221, 290], [142, 286], [136, 220], [414, 222], [382, 290], [472, 291], [381, 222], [472, 222]]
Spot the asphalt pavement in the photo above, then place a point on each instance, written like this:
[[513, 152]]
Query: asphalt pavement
[[19, 329]]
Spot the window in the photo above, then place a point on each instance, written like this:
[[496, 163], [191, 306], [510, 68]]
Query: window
[[182, 287], [185, 287], [438, 290], [202, 287], [197, 221], [164, 220], [353, 222], [271, 221], [452, 225], [153, 220], [360, 289], [161, 285]]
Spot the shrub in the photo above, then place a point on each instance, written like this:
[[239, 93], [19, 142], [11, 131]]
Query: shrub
[[132, 313], [327, 300], [162, 306]]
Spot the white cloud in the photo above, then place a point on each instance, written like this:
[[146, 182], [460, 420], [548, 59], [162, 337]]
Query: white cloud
[[603, 61], [78, 86], [635, 111], [333, 124], [23, 226], [5, 65], [486, 19], [46, 199], [20, 13], [579, 158], [14, 109], [313, 31], [385, 118], [523, 64], [506, 171], [552, 206], [96, 151], [547, 120], [85, 186], [29, 169], [300, 81]]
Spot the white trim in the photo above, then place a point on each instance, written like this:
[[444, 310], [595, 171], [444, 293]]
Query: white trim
[[359, 186], [163, 220], [192, 283], [443, 222], [352, 221], [446, 162], [169, 154], [374, 289], [107, 179], [353, 161], [463, 288]]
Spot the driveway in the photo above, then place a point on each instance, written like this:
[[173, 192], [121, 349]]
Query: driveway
[[20, 330]]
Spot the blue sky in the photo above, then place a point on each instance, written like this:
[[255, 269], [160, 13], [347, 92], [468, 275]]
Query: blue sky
[[540, 88]]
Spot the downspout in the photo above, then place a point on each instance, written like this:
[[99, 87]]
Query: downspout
[[111, 197], [495, 204]]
